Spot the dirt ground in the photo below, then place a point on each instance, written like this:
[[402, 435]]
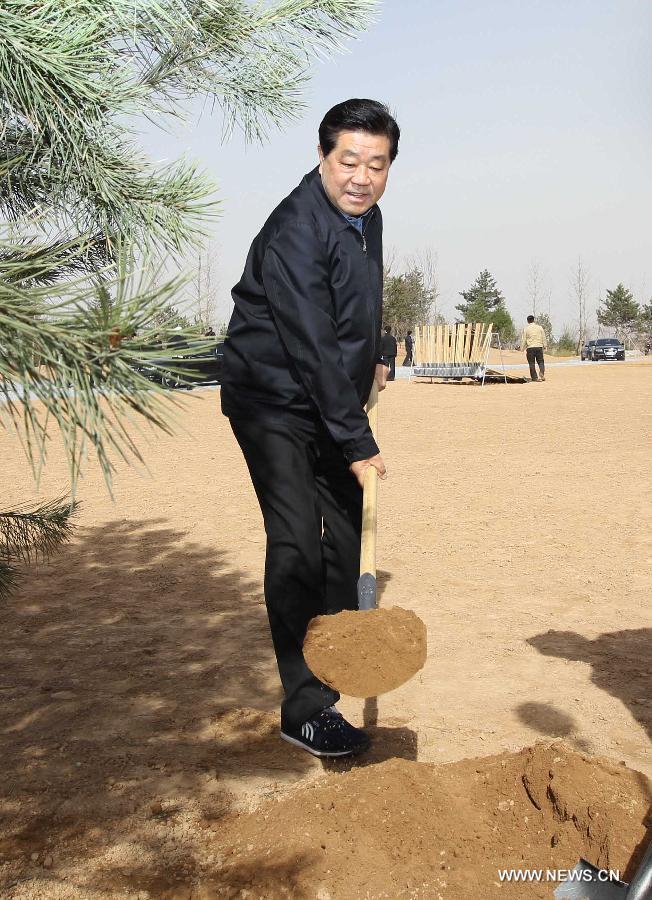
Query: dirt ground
[[139, 696]]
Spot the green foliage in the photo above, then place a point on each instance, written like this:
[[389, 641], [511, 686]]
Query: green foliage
[[73, 73], [29, 532], [645, 320], [619, 310], [566, 344], [75, 364], [407, 302], [170, 318], [79, 199], [483, 302], [502, 322], [544, 321], [483, 294]]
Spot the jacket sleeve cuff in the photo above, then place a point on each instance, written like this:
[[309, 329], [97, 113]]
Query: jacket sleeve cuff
[[364, 448]]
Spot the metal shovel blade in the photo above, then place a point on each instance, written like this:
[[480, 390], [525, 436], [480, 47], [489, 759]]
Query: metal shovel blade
[[367, 591], [585, 884], [640, 887]]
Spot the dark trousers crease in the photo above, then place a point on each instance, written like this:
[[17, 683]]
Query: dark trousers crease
[[312, 510], [535, 358]]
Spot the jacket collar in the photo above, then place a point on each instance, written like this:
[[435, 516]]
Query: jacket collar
[[313, 181]]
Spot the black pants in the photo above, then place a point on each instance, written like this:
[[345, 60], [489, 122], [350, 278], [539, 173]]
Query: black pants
[[535, 354], [391, 362], [312, 509]]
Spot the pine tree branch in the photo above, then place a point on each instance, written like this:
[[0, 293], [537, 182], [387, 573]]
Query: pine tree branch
[[8, 579], [79, 366], [75, 187], [33, 261], [35, 530], [72, 73]]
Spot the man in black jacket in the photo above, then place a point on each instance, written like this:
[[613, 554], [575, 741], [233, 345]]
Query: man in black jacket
[[409, 349], [302, 352], [388, 350]]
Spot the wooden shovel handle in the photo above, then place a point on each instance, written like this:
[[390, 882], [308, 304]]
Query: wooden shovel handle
[[370, 496]]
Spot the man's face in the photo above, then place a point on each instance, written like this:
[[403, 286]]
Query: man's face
[[354, 173]]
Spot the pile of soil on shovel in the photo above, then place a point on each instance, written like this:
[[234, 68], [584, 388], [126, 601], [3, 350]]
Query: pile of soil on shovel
[[402, 829], [366, 653]]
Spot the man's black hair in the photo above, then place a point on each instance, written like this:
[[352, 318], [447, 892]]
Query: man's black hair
[[530, 318], [388, 329], [359, 115]]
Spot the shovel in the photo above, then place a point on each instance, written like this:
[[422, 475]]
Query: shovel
[[587, 885], [367, 593], [368, 651]]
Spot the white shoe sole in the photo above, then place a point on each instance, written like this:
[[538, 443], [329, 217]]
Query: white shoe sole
[[320, 753]]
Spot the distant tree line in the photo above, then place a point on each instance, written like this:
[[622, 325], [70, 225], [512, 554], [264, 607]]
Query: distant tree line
[[410, 299], [620, 311]]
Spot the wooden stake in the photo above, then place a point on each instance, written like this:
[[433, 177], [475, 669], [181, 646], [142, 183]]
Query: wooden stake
[[468, 331]]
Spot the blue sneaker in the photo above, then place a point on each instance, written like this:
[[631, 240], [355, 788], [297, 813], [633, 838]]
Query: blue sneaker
[[327, 733]]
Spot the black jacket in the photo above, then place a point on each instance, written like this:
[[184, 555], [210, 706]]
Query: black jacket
[[305, 331], [388, 346]]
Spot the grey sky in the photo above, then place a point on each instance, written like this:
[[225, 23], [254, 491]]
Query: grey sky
[[526, 134]]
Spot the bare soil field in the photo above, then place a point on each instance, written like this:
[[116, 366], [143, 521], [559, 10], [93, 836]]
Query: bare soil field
[[139, 694]]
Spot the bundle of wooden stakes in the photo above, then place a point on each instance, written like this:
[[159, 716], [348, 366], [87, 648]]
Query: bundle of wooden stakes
[[452, 351]]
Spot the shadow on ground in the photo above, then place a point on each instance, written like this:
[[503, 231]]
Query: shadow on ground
[[136, 665], [139, 707], [552, 722], [621, 664]]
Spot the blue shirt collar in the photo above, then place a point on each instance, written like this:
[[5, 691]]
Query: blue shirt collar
[[356, 221]]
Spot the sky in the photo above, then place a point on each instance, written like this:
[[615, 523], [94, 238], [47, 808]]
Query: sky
[[526, 138]]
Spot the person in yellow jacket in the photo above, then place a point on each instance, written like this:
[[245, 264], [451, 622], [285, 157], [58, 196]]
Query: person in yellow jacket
[[534, 342]]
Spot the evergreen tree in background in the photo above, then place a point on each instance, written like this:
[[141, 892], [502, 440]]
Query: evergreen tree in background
[[483, 294], [80, 202], [619, 311], [645, 321], [483, 302]]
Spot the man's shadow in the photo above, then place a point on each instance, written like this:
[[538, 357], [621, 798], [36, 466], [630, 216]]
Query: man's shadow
[[621, 664]]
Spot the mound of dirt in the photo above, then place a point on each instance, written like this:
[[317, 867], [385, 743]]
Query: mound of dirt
[[407, 829], [366, 653]]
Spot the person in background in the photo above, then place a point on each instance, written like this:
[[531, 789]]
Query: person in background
[[534, 342], [388, 351], [409, 349]]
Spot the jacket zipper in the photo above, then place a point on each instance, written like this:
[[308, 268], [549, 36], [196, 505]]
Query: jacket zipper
[[364, 224], [361, 233]]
